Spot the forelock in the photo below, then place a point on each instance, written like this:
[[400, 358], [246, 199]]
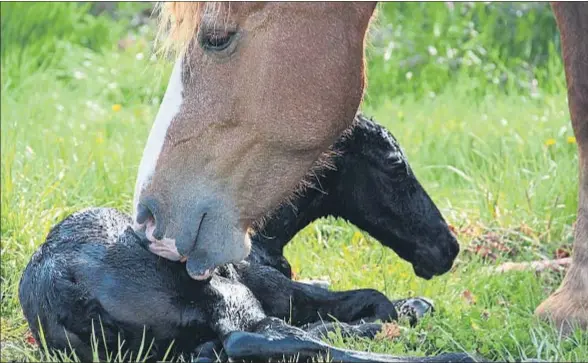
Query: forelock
[[178, 22]]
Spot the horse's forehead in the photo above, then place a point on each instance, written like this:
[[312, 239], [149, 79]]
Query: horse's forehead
[[214, 10], [241, 10]]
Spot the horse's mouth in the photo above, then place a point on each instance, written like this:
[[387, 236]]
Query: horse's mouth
[[195, 246], [166, 248]]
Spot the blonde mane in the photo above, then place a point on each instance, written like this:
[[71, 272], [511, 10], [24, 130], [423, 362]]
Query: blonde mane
[[179, 21]]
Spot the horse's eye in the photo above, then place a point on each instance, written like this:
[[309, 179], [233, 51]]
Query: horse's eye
[[216, 40]]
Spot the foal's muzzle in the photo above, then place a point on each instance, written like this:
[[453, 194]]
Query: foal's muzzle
[[436, 259]]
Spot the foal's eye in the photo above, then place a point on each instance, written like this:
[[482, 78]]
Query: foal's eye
[[216, 40]]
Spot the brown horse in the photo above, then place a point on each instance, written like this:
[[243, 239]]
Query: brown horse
[[232, 138]]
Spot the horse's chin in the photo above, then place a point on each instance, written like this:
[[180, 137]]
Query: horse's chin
[[166, 248], [202, 276]]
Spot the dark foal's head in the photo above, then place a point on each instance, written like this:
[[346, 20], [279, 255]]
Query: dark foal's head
[[258, 92], [381, 195], [373, 187]]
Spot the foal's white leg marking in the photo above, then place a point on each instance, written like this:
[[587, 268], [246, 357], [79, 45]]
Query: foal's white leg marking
[[169, 108]]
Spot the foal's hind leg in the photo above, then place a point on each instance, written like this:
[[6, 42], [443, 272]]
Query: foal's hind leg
[[209, 352], [569, 304], [274, 339], [321, 330]]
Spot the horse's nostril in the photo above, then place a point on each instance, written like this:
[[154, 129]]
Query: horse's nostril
[[148, 212], [143, 213]]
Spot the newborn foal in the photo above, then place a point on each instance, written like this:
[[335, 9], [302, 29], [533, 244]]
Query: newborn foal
[[92, 271]]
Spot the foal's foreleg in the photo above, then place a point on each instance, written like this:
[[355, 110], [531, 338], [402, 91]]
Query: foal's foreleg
[[569, 304], [412, 309], [303, 303]]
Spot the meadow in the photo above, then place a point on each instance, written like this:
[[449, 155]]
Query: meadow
[[475, 94]]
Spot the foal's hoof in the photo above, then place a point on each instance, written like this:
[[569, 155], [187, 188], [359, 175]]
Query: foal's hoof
[[567, 309], [414, 308]]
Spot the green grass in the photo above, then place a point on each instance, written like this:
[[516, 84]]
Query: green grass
[[477, 147], [500, 47]]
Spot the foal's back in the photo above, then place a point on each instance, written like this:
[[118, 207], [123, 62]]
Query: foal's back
[[86, 273]]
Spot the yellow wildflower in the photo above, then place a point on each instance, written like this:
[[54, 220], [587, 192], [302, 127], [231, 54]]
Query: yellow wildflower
[[571, 139], [116, 107], [550, 142], [356, 238]]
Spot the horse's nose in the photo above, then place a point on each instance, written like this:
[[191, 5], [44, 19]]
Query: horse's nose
[[143, 213], [148, 213]]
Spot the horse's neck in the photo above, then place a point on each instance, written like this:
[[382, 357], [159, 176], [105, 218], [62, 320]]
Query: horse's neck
[[290, 218]]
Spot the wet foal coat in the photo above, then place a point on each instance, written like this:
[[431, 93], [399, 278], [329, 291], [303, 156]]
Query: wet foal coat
[[94, 269]]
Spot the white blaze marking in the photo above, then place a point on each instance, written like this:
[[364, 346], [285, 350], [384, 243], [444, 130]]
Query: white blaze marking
[[169, 108]]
